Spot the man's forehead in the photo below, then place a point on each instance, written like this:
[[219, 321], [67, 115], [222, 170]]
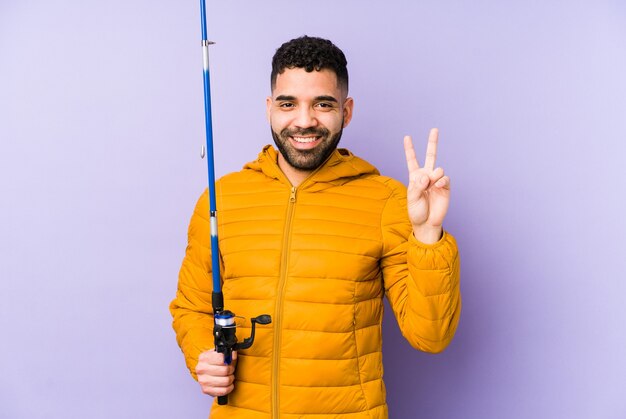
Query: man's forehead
[[297, 80]]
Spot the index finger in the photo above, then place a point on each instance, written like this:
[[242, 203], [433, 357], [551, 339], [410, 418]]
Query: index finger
[[409, 151], [431, 150], [211, 357]]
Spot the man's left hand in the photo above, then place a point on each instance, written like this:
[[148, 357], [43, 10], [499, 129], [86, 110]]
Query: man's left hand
[[428, 193]]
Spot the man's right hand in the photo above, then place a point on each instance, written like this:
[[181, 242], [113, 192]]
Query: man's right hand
[[215, 377]]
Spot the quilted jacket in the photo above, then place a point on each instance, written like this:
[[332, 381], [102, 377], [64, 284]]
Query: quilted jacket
[[318, 258]]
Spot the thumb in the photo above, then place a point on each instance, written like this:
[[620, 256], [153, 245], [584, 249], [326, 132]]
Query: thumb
[[419, 184]]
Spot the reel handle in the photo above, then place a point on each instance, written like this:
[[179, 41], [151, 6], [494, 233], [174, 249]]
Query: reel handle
[[228, 359]]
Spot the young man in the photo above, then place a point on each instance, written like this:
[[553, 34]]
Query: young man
[[315, 237]]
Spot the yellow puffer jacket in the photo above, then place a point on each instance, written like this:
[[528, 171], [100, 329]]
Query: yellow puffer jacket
[[318, 258]]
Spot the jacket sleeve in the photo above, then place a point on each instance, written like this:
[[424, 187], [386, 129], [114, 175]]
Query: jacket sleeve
[[192, 309], [421, 281]]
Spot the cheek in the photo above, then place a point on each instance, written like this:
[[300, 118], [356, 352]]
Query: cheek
[[278, 121], [332, 122]]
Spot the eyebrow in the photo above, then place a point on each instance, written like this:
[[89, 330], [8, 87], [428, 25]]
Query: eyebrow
[[326, 98], [317, 98]]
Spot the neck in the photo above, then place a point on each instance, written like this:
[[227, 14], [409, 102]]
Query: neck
[[295, 176]]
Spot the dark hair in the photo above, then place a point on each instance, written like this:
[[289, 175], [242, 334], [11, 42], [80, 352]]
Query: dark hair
[[310, 53]]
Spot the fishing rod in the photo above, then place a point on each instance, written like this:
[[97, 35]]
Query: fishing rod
[[224, 327]]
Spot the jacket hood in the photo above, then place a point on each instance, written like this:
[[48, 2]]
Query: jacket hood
[[340, 165]]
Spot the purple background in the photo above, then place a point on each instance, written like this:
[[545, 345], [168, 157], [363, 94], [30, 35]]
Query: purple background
[[101, 124]]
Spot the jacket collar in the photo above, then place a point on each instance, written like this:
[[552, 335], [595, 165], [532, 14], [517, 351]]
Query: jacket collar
[[340, 167]]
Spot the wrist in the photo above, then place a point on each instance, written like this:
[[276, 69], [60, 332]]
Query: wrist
[[428, 234]]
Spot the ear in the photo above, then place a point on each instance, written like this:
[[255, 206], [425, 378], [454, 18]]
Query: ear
[[348, 106], [268, 107]]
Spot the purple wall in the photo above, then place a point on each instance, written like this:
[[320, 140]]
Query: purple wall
[[101, 125]]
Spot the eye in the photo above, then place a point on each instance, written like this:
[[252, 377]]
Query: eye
[[325, 105], [286, 105]]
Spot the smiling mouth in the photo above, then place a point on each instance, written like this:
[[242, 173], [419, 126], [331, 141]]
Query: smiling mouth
[[304, 140]]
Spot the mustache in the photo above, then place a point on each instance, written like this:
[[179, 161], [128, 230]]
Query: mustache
[[318, 132]]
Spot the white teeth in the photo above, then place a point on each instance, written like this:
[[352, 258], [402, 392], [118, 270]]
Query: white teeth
[[304, 140]]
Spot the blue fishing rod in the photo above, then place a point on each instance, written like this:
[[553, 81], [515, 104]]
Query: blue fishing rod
[[224, 327]]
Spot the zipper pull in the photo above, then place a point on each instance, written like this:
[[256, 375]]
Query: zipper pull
[[292, 198]]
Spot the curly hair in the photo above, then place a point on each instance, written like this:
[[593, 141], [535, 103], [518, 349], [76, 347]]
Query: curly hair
[[310, 53]]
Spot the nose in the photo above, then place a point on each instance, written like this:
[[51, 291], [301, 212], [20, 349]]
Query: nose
[[305, 117]]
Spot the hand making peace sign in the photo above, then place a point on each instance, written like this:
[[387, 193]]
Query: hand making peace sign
[[428, 193]]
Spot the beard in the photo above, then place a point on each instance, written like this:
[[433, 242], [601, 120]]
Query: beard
[[306, 160]]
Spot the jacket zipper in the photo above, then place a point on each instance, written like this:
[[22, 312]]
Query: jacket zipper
[[279, 303]]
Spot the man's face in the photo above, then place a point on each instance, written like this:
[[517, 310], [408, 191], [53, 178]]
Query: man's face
[[307, 112]]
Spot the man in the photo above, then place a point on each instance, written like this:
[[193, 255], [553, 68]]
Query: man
[[315, 237]]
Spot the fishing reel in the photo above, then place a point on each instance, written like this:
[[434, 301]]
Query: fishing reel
[[224, 333]]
